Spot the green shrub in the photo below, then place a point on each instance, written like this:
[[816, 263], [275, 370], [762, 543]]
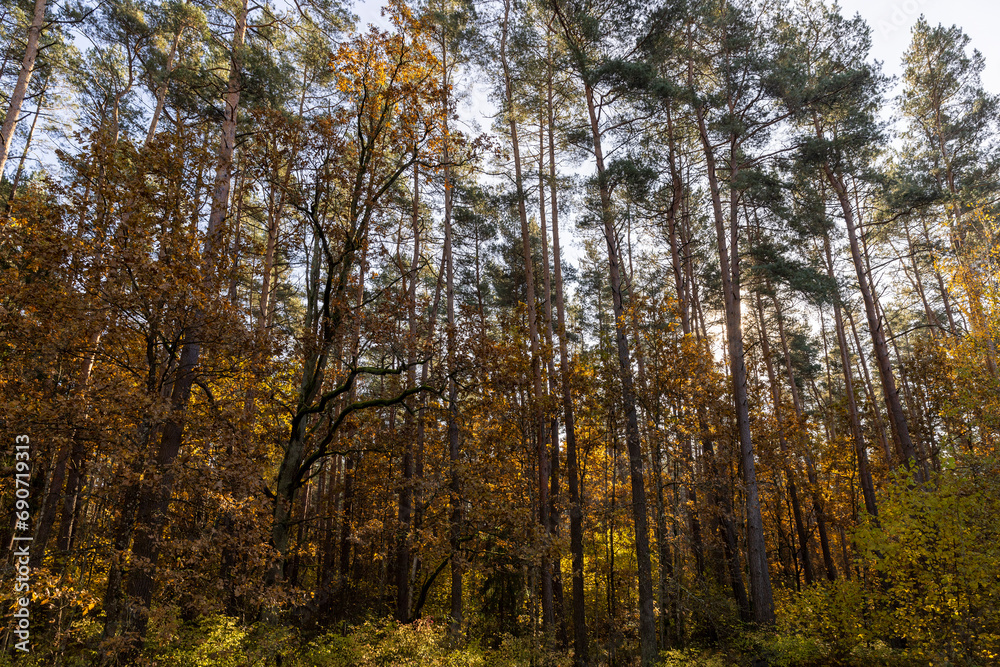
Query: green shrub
[[692, 658], [935, 559], [389, 644], [786, 650], [217, 641], [833, 613]]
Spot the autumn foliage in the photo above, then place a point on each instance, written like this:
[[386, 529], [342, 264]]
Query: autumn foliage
[[678, 355]]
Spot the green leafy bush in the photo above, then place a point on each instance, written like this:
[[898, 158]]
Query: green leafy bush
[[220, 641], [834, 613], [931, 587], [691, 658], [935, 559], [389, 645]]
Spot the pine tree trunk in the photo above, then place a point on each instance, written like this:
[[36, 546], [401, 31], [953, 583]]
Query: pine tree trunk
[[153, 502], [860, 448], [21, 87], [550, 390], [647, 602], [793, 493], [548, 617], [161, 90], [405, 510], [580, 649], [454, 451], [16, 182], [894, 407], [818, 504], [760, 580]]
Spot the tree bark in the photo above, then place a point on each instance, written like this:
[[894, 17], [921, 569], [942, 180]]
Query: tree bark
[[647, 603], [895, 409], [760, 580], [580, 649], [23, 78]]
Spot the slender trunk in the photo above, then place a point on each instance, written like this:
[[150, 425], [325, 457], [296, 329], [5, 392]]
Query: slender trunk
[[682, 285], [918, 283], [548, 616], [154, 501], [720, 496], [454, 452], [347, 516], [665, 557], [952, 327], [23, 78], [793, 494], [27, 144], [161, 90], [727, 527], [352, 461], [553, 523], [860, 448], [66, 456], [893, 405], [403, 555], [580, 652], [647, 602], [760, 580], [818, 504], [914, 414]]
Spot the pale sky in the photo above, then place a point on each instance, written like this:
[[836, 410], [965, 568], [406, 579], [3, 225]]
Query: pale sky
[[891, 21]]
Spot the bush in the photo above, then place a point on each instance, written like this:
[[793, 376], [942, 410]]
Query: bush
[[935, 558], [218, 641], [692, 658], [931, 590], [389, 645], [834, 613]]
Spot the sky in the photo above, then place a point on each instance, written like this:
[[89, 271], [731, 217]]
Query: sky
[[891, 21]]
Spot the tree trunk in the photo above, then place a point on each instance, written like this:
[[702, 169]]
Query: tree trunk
[[405, 510], [21, 87], [895, 409], [892, 456], [161, 90], [818, 504], [580, 652], [793, 493], [760, 580], [548, 617], [454, 451], [27, 144], [550, 389], [647, 603], [860, 448], [154, 501]]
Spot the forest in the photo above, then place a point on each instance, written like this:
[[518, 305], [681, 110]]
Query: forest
[[496, 332]]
